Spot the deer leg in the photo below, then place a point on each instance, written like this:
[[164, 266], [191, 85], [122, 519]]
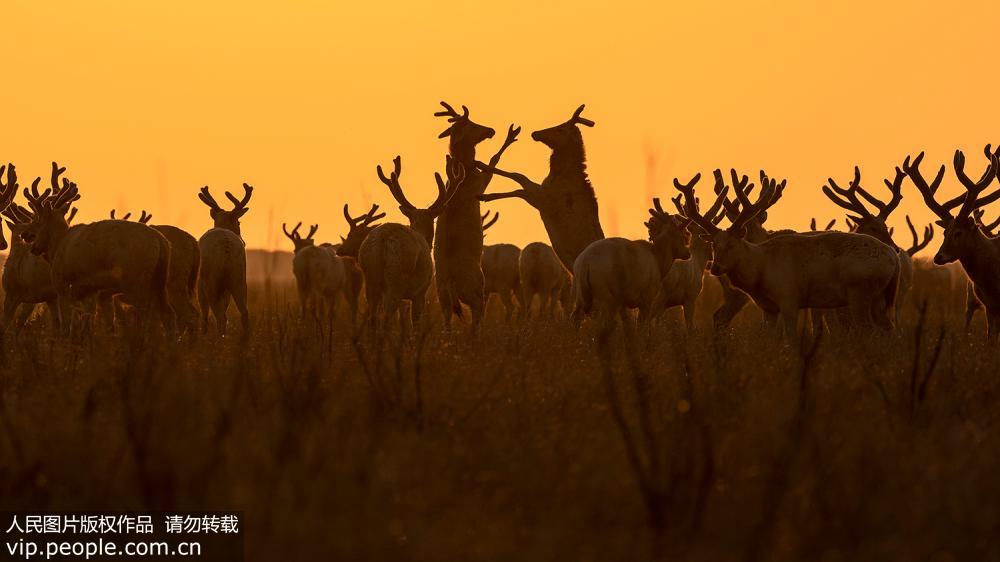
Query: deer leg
[[219, 307], [417, 308], [733, 302], [508, 305], [205, 304], [993, 325], [972, 305], [10, 307], [240, 296]]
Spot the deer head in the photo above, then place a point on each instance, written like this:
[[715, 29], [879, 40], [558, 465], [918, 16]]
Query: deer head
[[565, 135], [729, 245], [668, 233], [359, 229], [297, 240], [49, 222], [463, 132], [229, 220], [422, 220], [864, 221], [961, 233]]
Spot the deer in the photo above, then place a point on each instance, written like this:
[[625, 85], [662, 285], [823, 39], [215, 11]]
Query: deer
[[565, 200], [320, 274], [864, 221], [500, 270], [108, 256], [358, 230], [224, 262], [185, 266], [964, 239], [613, 275], [682, 285], [790, 272], [542, 274], [396, 258], [458, 249]]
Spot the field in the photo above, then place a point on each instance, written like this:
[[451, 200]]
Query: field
[[528, 442]]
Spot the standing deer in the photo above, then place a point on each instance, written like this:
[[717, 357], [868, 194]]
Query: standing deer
[[565, 200], [500, 270], [542, 274], [224, 262], [613, 275], [358, 229], [185, 265], [320, 275], [458, 250], [396, 259], [873, 224], [964, 240], [790, 272], [107, 256]]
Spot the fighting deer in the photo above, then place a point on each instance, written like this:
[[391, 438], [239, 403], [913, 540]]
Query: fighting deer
[[790, 272], [964, 240], [185, 265], [543, 275], [396, 259], [565, 200], [107, 256], [613, 275], [320, 274], [500, 270], [224, 262], [874, 224], [458, 250], [682, 285]]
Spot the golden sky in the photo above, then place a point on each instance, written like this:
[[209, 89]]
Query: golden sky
[[145, 102]]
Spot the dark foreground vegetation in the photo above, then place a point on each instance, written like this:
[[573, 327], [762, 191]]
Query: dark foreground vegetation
[[530, 442]]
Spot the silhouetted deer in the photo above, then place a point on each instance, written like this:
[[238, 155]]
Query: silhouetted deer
[[458, 250], [787, 273], [500, 270], [358, 229], [542, 274], [565, 200], [224, 262], [320, 275], [963, 239]]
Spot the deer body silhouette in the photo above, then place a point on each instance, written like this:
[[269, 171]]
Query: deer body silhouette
[[565, 200]]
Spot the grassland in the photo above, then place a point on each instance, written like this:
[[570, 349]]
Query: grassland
[[528, 442]]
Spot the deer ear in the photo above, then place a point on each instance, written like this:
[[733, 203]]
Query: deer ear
[[213, 213]]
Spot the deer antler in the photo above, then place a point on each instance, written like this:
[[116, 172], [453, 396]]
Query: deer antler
[[207, 199], [490, 222], [393, 183], [848, 198], [363, 220], [972, 201], [453, 117], [578, 120], [895, 188], [294, 234], [240, 204], [125, 218], [912, 170], [456, 174], [917, 245], [145, 217], [312, 231], [8, 190], [986, 228], [691, 206]]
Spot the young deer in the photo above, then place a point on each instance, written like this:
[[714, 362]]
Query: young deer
[[396, 259], [458, 250], [107, 256], [185, 265], [542, 274], [964, 240], [500, 270], [565, 200], [224, 262], [320, 275], [873, 224], [613, 275], [790, 272]]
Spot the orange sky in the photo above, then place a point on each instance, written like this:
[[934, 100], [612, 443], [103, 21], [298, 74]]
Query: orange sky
[[147, 101]]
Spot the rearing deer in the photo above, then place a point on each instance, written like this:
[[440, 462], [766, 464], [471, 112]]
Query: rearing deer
[[873, 224], [224, 262], [565, 200], [458, 250], [963, 239], [790, 272]]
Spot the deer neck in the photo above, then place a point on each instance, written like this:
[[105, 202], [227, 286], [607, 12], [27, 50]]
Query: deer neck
[[568, 161], [981, 262], [465, 154], [746, 272], [55, 240]]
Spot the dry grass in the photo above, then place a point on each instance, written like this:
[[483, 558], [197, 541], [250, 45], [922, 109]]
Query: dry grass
[[526, 443]]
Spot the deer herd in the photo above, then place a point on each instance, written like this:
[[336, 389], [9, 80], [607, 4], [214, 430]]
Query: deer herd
[[145, 272]]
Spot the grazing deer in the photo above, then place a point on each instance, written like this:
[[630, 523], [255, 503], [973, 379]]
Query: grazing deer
[[185, 265], [682, 285], [320, 275], [972, 304], [613, 275], [873, 224], [396, 259], [790, 272], [500, 269], [964, 240], [224, 262], [542, 274], [458, 250], [565, 200], [125, 258]]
